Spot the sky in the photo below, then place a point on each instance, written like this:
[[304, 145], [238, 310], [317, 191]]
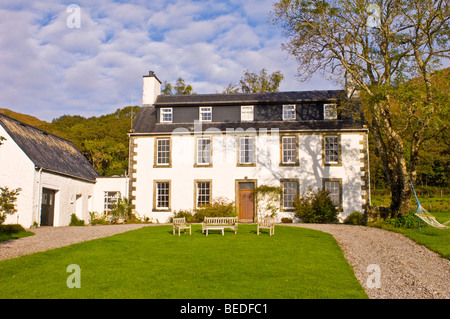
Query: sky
[[88, 57]]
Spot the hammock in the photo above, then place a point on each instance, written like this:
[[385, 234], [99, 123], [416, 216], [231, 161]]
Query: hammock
[[426, 216]]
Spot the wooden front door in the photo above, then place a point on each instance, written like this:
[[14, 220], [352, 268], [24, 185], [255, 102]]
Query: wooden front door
[[246, 201], [47, 207]]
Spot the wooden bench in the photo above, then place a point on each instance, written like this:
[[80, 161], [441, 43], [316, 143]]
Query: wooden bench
[[219, 223], [266, 223], [180, 223]]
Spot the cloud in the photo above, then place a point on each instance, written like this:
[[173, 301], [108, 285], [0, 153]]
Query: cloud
[[48, 69]]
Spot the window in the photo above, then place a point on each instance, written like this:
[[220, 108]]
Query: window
[[163, 151], [288, 112], [162, 195], [166, 115], [206, 114], [329, 111], [331, 146], [246, 150], [203, 191], [203, 151], [289, 149], [334, 188], [111, 200], [290, 190], [247, 113]]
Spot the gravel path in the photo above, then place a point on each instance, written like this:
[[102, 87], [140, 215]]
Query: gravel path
[[54, 237], [407, 270]]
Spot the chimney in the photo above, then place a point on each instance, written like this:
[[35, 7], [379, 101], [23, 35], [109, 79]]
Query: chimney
[[152, 88]]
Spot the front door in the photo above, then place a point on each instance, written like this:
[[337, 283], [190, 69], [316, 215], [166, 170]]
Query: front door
[[246, 201], [47, 207]]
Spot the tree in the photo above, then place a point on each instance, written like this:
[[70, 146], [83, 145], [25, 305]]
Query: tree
[[381, 47], [256, 83], [180, 88], [8, 202]]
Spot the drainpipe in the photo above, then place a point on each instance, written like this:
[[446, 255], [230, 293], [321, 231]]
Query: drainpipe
[[39, 198], [368, 167]]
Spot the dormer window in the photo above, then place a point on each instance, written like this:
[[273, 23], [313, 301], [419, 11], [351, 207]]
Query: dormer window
[[166, 115], [288, 112], [329, 111], [205, 114], [247, 113]]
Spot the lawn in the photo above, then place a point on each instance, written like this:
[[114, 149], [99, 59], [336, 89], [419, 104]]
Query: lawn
[[152, 263]]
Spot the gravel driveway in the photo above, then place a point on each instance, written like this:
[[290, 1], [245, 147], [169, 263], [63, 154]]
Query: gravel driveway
[[406, 270]]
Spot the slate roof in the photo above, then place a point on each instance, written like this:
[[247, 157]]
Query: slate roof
[[146, 119], [48, 151], [248, 98]]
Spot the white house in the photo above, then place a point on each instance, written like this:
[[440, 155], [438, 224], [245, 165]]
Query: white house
[[56, 180], [187, 150]]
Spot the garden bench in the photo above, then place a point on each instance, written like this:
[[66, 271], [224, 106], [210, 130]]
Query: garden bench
[[180, 223], [266, 223], [219, 223]]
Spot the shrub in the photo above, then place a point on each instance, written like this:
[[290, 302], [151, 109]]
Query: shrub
[[8, 202], [74, 221], [102, 220], [355, 218], [11, 229], [407, 221], [219, 207], [286, 220], [123, 212], [315, 207], [187, 214]]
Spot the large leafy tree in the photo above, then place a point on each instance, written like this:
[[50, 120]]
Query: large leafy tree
[[180, 88], [381, 45], [256, 83]]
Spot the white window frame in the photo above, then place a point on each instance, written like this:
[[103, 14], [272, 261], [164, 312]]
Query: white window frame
[[290, 152], [162, 198], [203, 150], [330, 111], [166, 111], [332, 149], [202, 193], [246, 150], [205, 110], [161, 153], [111, 198], [289, 112], [288, 194], [247, 113]]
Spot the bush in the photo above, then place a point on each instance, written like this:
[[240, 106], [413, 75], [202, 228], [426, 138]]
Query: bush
[[355, 218], [219, 207], [286, 220], [74, 221], [11, 229], [408, 221], [102, 220], [315, 207]]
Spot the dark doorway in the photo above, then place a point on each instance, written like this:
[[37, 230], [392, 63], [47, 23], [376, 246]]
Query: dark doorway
[[47, 207]]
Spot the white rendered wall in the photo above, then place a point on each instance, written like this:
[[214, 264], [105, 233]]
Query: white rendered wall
[[67, 189], [17, 171], [224, 172], [108, 184]]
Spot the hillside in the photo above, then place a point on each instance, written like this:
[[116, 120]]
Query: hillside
[[31, 120], [103, 140]]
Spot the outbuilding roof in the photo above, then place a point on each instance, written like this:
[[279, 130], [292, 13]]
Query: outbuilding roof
[[47, 151]]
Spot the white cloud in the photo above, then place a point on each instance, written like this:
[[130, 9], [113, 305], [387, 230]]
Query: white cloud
[[48, 69]]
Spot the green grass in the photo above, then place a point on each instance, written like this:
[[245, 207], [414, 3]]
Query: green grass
[[152, 263], [8, 236], [435, 239]]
